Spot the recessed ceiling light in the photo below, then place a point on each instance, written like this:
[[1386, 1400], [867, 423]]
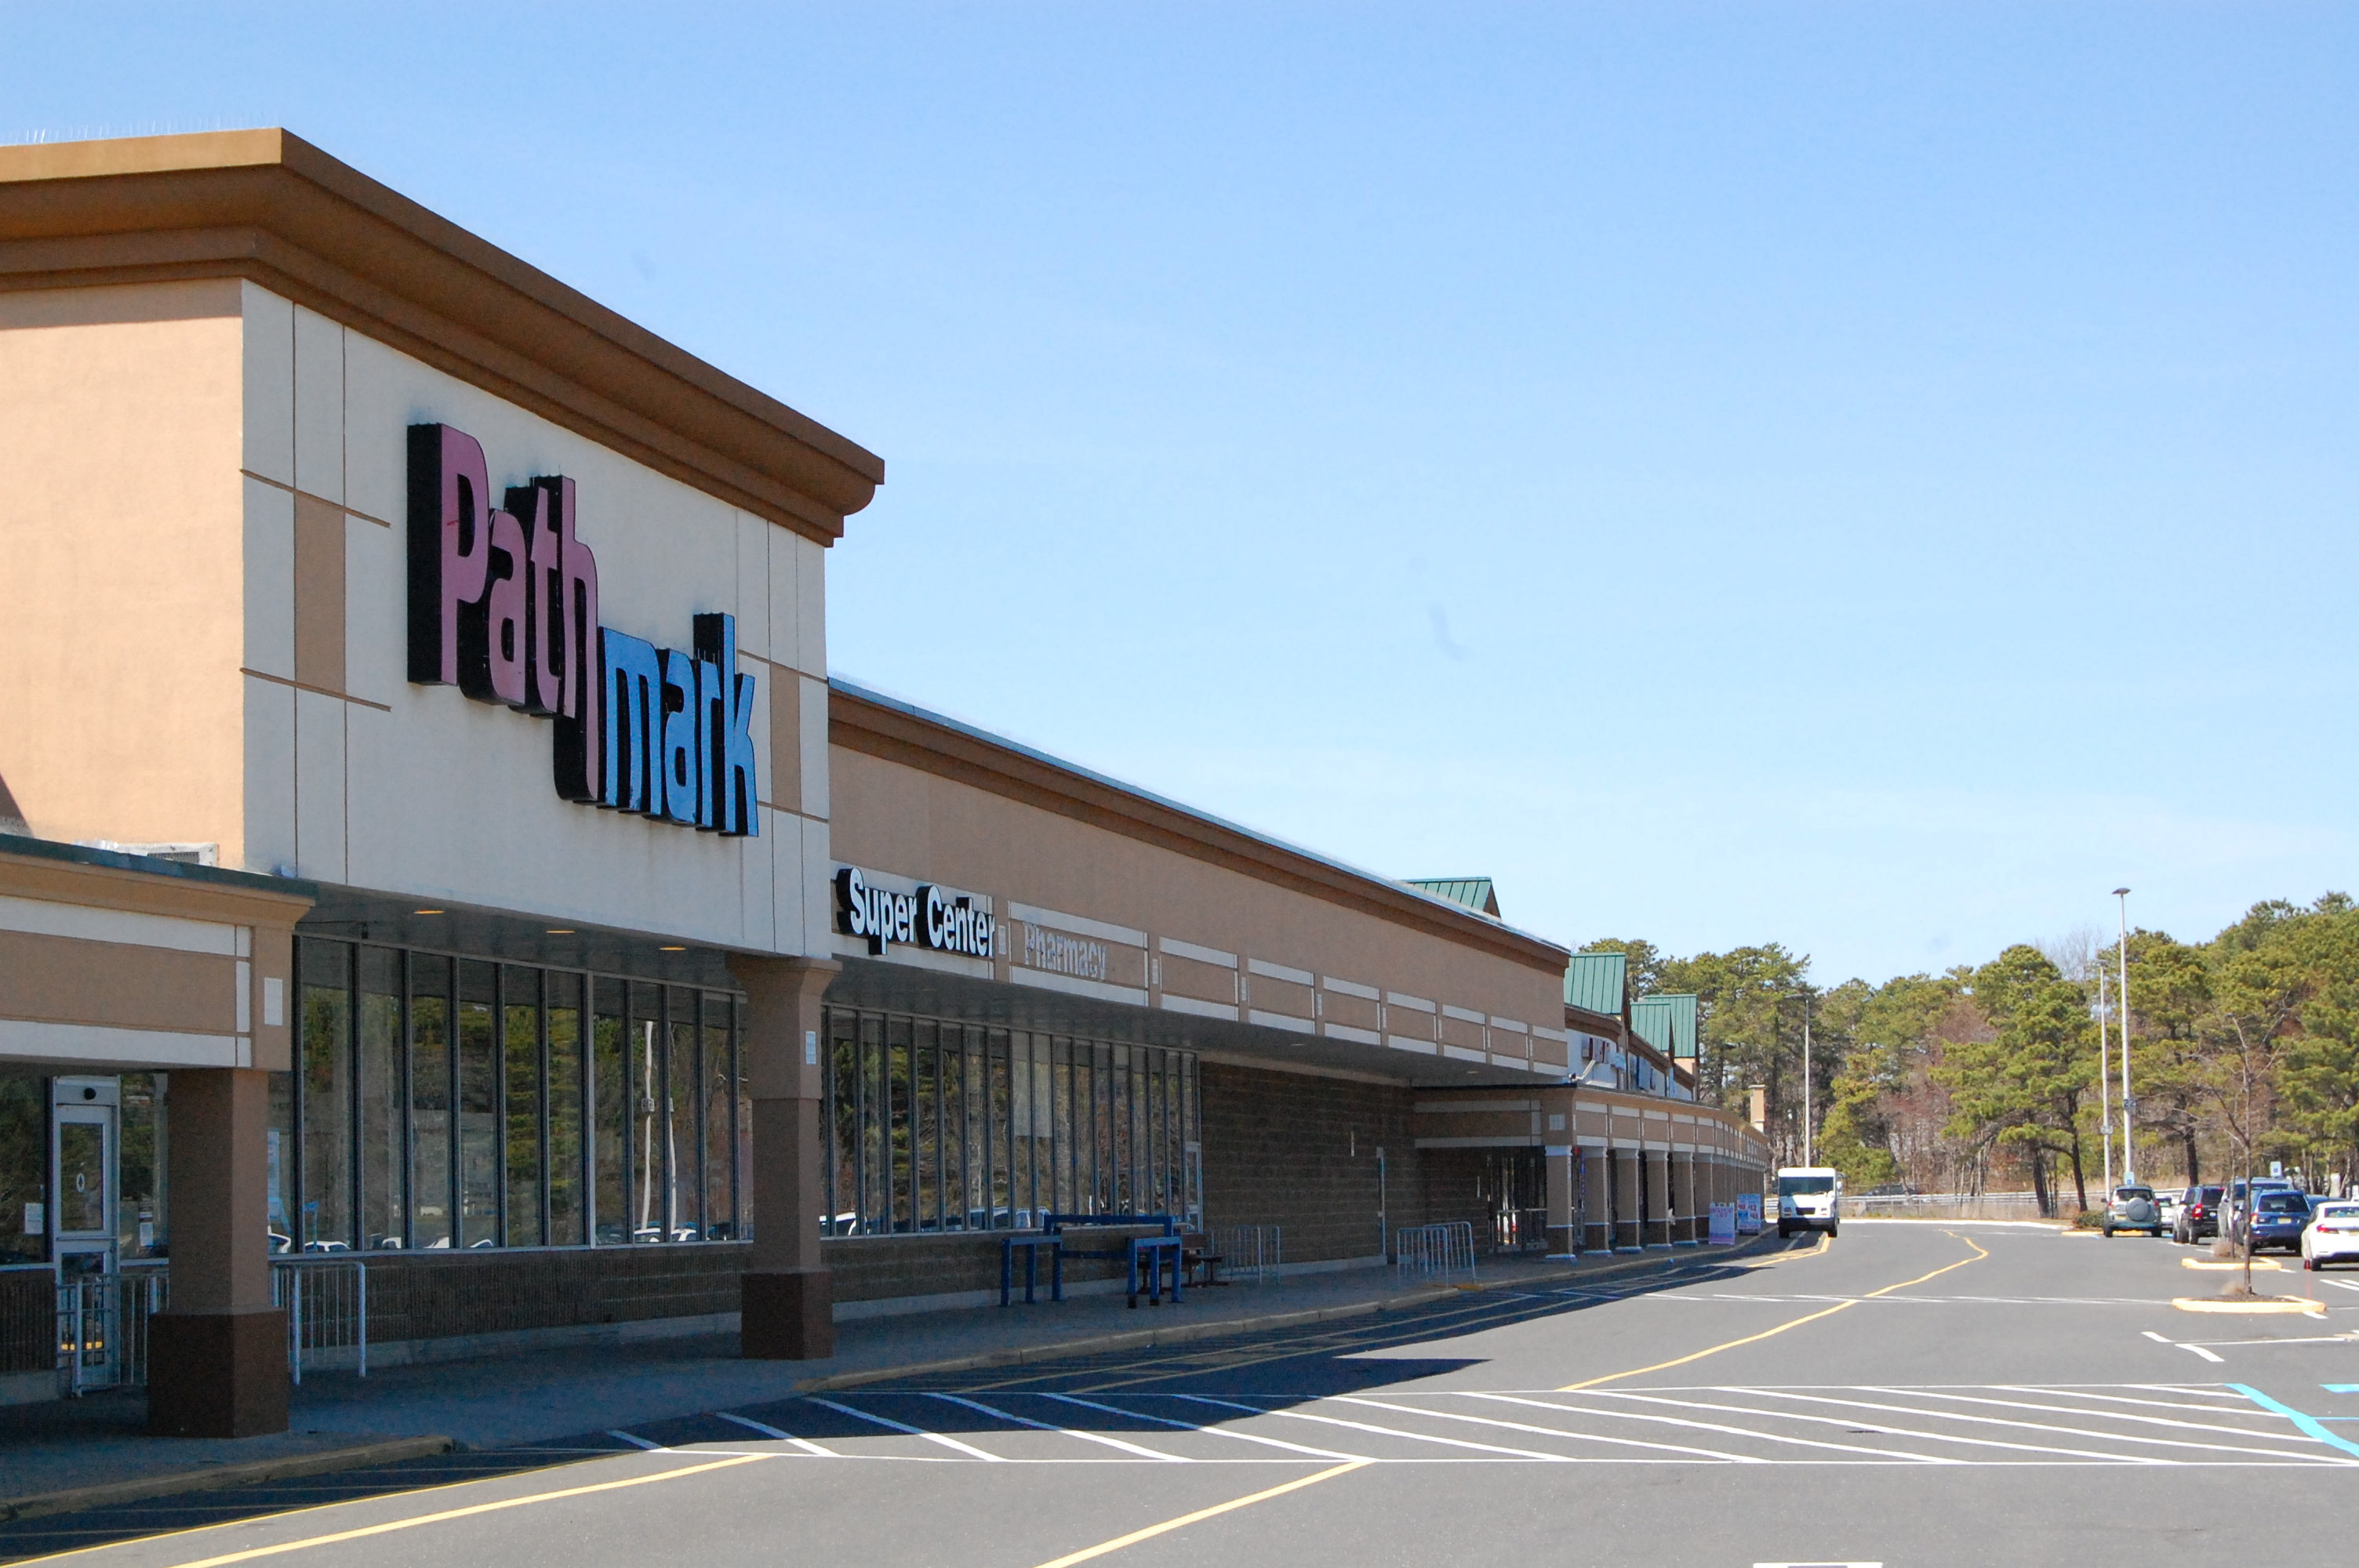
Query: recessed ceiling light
[[561, 931], [671, 949], [425, 912]]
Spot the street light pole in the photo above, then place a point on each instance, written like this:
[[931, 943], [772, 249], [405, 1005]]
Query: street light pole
[[1807, 1143], [2129, 1153], [2104, 1080]]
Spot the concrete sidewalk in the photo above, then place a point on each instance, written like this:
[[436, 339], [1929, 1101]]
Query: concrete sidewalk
[[52, 1456]]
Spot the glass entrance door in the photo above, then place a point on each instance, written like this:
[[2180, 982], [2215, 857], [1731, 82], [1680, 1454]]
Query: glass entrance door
[[83, 1172]]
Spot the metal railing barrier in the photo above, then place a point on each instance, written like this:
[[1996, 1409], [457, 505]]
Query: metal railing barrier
[[1248, 1250], [326, 1303], [1434, 1251]]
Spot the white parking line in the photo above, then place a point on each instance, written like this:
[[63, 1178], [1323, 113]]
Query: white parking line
[[1556, 1431], [767, 1431], [1978, 1419], [966, 1448], [1063, 1431], [637, 1442], [1214, 1431], [1718, 1426], [1388, 1431], [2117, 1415], [1856, 1423]]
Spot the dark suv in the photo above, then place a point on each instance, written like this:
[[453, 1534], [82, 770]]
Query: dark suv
[[2199, 1216], [2278, 1219]]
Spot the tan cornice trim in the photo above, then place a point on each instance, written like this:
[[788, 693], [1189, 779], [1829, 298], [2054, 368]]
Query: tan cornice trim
[[895, 735], [269, 207], [110, 887]]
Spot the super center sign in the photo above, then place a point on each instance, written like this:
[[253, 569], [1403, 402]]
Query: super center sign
[[504, 605]]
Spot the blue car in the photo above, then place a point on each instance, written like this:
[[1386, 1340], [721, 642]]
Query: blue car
[[2278, 1220]]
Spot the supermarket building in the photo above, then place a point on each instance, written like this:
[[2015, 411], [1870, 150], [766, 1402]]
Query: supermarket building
[[435, 847]]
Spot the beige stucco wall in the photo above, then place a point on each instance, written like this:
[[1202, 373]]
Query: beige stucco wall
[[122, 587], [900, 819], [202, 602]]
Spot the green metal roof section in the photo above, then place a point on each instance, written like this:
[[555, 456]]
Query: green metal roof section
[[1667, 1022], [1596, 982], [1475, 893]]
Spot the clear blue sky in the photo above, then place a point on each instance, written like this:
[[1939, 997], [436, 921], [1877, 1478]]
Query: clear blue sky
[[1869, 477]]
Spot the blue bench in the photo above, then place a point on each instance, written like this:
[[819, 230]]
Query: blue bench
[[1030, 1246], [1146, 1258]]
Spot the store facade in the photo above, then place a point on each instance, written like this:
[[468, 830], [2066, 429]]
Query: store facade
[[422, 677]]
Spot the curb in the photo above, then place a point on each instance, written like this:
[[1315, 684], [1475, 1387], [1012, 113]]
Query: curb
[[2273, 1305], [1181, 1333], [215, 1478]]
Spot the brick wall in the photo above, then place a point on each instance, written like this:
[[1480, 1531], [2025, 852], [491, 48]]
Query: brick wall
[[1286, 1150], [422, 1296]]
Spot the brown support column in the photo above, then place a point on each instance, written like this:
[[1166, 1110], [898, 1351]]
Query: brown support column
[[1597, 1231], [1659, 1197], [217, 1355], [788, 1297], [1627, 1236], [1563, 1230]]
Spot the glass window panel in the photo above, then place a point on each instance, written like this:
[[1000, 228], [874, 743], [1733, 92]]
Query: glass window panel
[[899, 1131], [82, 1178], [1118, 1109], [645, 1065], [429, 1100], [137, 1162], [324, 1027], [612, 1113], [1060, 1091], [843, 1111], [1001, 1140], [683, 1139], [479, 1099], [278, 1160], [520, 1050], [566, 1213], [382, 1099], [925, 1127], [23, 1165], [719, 1140], [744, 1117]]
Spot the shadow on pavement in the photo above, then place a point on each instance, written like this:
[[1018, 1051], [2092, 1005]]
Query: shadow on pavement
[[1271, 1369]]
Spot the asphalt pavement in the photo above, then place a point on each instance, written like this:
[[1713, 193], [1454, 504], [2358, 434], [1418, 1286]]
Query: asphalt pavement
[[1909, 1393]]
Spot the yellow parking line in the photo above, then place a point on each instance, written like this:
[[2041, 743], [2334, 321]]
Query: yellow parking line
[[389, 1525], [1772, 1333], [1136, 1536]]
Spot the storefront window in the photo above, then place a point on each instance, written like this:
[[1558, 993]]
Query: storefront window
[[325, 1223], [139, 1216], [452, 1103], [383, 1198], [431, 1147], [525, 1071], [610, 1112], [936, 1125], [24, 1167], [566, 1120]]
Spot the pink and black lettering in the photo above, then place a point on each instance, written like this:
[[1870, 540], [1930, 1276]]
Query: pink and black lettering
[[504, 605]]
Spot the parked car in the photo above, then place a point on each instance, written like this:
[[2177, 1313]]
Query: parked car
[[2133, 1208], [2166, 1203], [2278, 1219], [2331, 1236], [2239, 1201], [2198, 1215]]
